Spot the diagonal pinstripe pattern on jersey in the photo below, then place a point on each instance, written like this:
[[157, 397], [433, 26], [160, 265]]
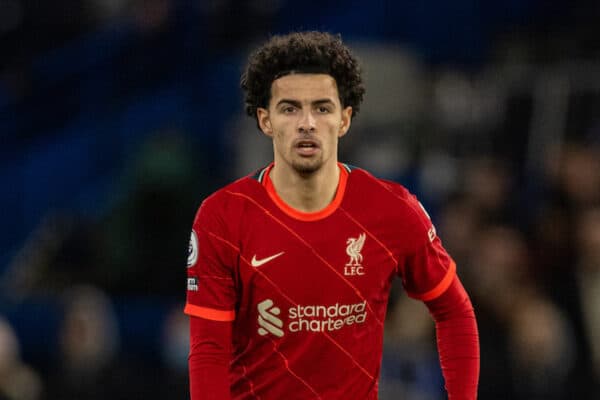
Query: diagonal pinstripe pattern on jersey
[[287, 366], [371, 235], [312, 249], [409, 205], [250, 384], [285, 360], [284, 295], [331, 339]]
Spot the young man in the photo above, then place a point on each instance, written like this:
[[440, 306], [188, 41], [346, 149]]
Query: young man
[[289, 269]]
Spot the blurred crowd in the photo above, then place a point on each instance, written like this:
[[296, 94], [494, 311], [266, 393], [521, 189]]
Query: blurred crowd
[[534, 281], [504, 154], [100, 301]]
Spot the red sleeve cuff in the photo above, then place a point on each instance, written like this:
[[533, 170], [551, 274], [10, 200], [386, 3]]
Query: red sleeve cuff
[[209, 313], [440, 288]]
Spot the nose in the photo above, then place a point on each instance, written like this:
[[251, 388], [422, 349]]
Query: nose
[[307, 123]]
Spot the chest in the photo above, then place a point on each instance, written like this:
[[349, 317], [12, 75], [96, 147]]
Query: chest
[[320, 262]]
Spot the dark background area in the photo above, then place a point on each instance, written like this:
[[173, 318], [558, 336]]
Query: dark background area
[[117, 118]]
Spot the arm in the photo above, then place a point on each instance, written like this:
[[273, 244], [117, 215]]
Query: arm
[[210, 355], [210, 304], [457, 341]]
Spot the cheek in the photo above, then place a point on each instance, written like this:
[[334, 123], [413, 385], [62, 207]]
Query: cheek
[[283, 132], [279, 137], [334, 141], [280, 140]]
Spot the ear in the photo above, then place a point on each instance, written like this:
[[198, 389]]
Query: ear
[[346, 121], [264, 121]]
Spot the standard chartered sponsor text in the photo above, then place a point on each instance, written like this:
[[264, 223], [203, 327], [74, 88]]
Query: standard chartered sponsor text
[[320, 318]]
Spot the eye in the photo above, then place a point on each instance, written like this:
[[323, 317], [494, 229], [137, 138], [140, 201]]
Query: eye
[[323, 109], [288, 109]]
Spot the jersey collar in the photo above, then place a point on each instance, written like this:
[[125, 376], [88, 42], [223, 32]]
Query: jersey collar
[[265, 180]]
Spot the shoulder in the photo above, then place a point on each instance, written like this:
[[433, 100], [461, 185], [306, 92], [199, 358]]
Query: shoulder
[[387, 198], [228, 201], [246, 186], [378, 189]]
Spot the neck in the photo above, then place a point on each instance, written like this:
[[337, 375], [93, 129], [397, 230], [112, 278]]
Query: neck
[[306, 192]]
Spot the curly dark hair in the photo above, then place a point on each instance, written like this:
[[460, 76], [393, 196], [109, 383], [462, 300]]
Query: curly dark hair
[[302, 52]]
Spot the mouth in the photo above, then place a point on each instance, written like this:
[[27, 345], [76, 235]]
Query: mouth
[[306, 147]]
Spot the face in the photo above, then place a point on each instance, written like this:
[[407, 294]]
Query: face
[[305, 119]]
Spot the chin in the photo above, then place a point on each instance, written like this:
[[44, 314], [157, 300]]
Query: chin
[[307, 168]]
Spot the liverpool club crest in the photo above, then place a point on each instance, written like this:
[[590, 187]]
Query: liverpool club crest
[[353, 249]]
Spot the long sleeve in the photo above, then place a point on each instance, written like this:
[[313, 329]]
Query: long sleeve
[[457, 341], [209, 359]]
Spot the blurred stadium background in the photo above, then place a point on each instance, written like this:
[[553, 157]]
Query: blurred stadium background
[[118, 116]]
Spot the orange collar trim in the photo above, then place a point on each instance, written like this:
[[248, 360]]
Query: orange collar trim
[[301, 215]]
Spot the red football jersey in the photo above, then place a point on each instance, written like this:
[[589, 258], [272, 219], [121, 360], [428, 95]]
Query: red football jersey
[[307, 292]]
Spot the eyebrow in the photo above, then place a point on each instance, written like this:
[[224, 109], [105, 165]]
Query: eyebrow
[[298, 104]]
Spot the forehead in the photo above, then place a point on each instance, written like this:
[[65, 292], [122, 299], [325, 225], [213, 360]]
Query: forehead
[[304, 87]]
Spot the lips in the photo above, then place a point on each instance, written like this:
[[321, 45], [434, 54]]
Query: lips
[[306, 143], [306, 147]]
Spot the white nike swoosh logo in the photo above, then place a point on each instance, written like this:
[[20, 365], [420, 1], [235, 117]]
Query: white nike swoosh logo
[[257, 263]]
